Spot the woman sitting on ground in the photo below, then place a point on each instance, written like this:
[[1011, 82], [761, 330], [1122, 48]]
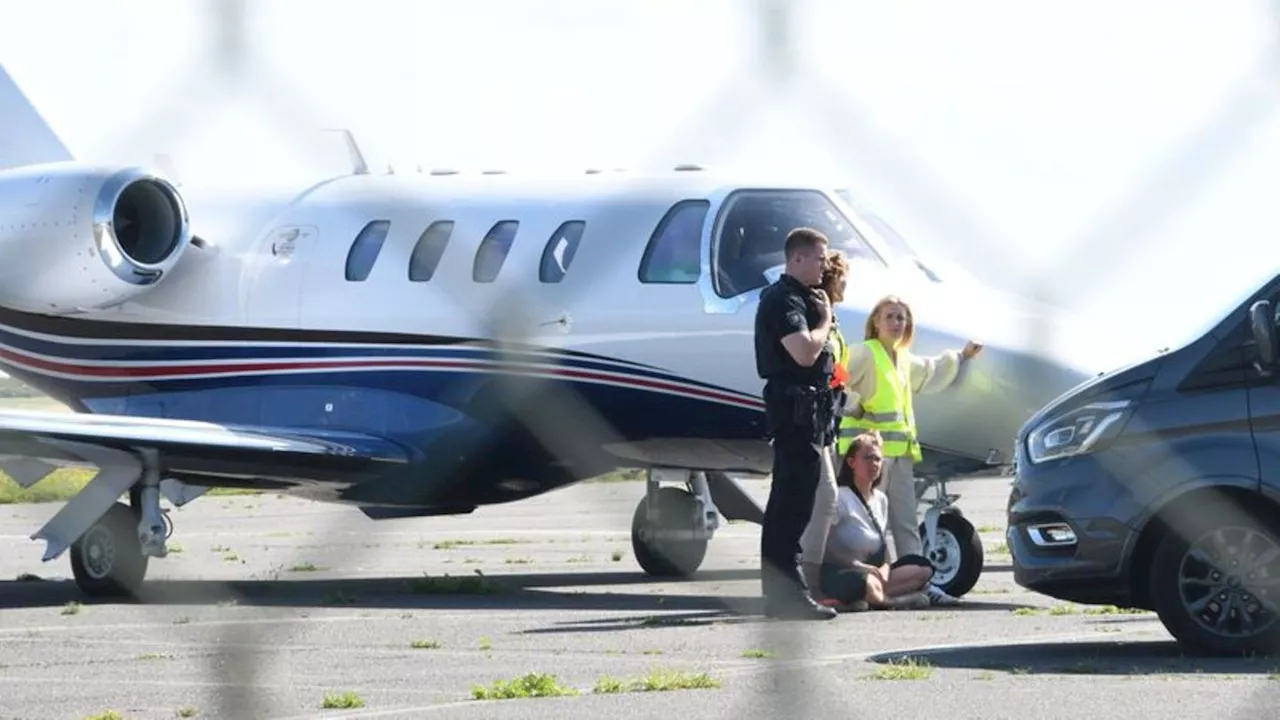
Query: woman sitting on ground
[[855, 568]]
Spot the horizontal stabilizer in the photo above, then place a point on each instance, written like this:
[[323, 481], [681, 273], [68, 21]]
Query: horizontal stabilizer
[[25, 137]]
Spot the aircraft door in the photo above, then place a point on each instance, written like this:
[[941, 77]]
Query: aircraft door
[[645, 308], [272, 292]]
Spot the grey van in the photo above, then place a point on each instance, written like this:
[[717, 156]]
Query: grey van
[[1157, 486]]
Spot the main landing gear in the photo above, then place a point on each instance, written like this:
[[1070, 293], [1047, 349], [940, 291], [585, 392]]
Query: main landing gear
[[107, 560], [111, 542], [672, 525]]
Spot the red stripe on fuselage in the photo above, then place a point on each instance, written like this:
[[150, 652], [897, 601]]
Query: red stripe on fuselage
[[135, 372]]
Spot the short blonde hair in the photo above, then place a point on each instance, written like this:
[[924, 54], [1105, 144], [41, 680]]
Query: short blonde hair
[[870, 329]]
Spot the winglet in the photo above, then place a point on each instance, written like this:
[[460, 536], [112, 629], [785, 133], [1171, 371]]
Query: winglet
[[358, 164], [25, 137]]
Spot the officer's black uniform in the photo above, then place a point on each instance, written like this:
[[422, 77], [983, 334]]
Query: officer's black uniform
[[800, 409]]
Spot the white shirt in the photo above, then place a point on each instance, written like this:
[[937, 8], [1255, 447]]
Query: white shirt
[[854, 535]]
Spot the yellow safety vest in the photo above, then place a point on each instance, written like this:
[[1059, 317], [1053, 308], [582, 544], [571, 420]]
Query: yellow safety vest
[[842, 351], [888, 410]]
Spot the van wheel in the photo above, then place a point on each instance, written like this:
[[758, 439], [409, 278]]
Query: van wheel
[[1214, 582], [957, 557]]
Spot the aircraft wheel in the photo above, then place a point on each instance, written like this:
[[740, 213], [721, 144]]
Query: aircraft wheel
[[1210, 582], [957, 557], [107, 560], [668, 557]]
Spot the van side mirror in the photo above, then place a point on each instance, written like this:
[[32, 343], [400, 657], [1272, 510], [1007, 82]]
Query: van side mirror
[[1262, 322]]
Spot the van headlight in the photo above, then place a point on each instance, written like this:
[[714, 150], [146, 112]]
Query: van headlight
[[1075, 432]]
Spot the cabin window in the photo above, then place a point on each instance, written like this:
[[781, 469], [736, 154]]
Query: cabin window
[[364, 251], [427, 253], [493, 251], [560, 250], [672, 253], [754, 231]]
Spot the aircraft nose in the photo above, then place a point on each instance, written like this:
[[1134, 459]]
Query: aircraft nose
[[1035, 352]]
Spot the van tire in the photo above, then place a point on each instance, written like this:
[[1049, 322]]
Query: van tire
[[1166, 591]]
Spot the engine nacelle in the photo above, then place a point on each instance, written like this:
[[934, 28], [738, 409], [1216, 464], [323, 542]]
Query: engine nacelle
[[75, 237]]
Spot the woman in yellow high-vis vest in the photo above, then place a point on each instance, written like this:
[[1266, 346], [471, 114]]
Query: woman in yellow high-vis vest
[[813, 542], [883, 376]]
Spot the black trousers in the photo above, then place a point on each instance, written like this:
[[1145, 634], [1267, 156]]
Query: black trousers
[[796, 467]]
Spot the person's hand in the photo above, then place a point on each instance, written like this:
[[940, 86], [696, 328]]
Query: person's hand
[[883, 573], [824, 304], [971, 349]]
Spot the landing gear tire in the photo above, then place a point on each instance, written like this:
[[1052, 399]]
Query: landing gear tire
[[1209, 583], [956, 557], [107, 560], [677, 510]]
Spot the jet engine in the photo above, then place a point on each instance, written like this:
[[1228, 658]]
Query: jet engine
[[76, 237]]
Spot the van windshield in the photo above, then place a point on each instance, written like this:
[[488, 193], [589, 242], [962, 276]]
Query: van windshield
[[1221, 312]]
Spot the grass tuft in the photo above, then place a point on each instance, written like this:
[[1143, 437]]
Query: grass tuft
[[903, 669], [345, 701], [455, 585], [656, 681], [531, 685]]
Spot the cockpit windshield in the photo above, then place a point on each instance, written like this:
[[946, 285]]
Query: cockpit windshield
[[748, 249], [903, 253]]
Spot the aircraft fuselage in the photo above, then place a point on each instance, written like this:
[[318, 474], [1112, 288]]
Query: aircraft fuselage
[[373, 302]]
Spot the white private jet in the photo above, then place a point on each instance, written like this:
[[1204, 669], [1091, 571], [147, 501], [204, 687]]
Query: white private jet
[[349, 343]]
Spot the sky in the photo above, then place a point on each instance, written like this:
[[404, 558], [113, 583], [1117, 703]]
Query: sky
[[1118, 155]]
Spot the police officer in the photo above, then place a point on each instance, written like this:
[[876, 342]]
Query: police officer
[[795, 358]]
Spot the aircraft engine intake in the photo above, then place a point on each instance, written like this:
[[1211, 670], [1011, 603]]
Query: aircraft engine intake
[[145, 221], [85, 238]]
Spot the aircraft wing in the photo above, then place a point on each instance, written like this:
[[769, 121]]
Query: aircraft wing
[[940, 462], [33, 444], [179, 458]]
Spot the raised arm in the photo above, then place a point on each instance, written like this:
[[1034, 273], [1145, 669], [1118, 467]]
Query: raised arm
[[803, 344], [932, 374]]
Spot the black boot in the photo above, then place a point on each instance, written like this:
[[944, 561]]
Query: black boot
[[786, 596], [796, 606]]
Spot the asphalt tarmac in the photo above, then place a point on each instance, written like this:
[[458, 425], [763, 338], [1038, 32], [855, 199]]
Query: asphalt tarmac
[[273, 604]]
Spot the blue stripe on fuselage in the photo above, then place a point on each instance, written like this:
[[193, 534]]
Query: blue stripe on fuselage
[[410, 406]]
